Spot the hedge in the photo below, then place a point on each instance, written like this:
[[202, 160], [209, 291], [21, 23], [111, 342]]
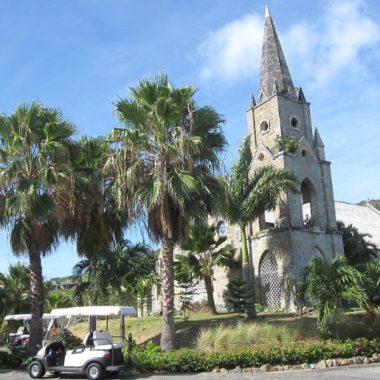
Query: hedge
[[150, 358]]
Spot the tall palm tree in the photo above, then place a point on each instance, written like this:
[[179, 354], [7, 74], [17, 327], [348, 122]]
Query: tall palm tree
[[330, 283], [96, 222], [35, 176], [164, 163], [248, 197], [206, 250]]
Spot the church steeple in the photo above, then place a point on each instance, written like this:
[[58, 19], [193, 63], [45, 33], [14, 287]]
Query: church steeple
[[274, 72]]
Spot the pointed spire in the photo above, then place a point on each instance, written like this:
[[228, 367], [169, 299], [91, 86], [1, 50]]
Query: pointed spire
[[317, 139], [253, 101], [274, 69], [301, 96]]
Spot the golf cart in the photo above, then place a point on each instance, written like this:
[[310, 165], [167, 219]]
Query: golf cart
[[21, 336], [96, 357]]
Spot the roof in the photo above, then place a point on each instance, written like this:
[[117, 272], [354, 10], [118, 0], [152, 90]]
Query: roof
[[23, 317], [365, 218], [274, 73], [94, 310]]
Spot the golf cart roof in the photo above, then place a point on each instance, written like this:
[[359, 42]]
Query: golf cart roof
[[24, 317], [93, 311]]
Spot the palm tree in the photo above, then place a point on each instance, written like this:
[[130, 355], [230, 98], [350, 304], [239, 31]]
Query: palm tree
[[330, 283], [164, 163], [357, 248], [248, 197], [122, 263], [206, 250], [18, 282], [35, 177], [96, 222]]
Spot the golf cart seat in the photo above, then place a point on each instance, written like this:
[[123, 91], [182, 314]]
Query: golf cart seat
[[102, 337], [89, 339]]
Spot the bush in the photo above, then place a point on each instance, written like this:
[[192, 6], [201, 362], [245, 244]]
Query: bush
[[16, 357], [151, 358]]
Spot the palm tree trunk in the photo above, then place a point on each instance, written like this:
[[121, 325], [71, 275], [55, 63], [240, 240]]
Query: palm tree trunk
[[167, 296], [210, 294], [249, 305], [37, 302]]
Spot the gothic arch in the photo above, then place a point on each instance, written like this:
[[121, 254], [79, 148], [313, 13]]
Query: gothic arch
[[270, 284], [308, 202]]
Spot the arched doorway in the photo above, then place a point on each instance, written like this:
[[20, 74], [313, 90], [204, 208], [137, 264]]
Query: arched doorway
[[270, 287]]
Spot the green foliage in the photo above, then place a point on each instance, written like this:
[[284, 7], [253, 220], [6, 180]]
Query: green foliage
[[234, 294], [286, 143], [243, 334], [16, 357], [121, 265], [151, 358], [330, 283], [357, 249], [204, 250]]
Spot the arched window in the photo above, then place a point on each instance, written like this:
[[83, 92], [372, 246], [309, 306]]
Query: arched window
[[270, 287], [308, 203]]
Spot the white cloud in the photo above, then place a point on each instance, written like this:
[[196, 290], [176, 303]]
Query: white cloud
[[316, 51], [234, 50]]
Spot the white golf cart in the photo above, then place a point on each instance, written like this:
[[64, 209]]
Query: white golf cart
[[96, 357], [21, 336]]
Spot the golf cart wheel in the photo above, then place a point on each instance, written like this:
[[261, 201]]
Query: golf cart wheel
[[36, 370], [94, 371]]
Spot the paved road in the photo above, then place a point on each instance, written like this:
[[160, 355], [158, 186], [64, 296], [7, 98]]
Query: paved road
[[360, 372]]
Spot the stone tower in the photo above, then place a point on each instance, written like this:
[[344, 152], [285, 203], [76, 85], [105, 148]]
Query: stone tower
[[303, 226]]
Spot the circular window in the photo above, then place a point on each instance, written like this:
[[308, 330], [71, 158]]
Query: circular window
[[222, 229], [294, 122], [261, 157], [303, 152], [264, 126]]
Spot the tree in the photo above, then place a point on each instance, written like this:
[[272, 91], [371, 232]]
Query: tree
[[164, 163], [248, 197], [35, 176], [205, 250], [122, 264], [357, 248], [330, 283], [18, 282]]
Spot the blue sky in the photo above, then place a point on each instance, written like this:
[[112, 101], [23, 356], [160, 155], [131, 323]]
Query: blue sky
[[81, 55]]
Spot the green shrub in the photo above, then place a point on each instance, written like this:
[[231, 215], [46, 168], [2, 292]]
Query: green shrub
[[151, 358], [286, 143], [16, 356]]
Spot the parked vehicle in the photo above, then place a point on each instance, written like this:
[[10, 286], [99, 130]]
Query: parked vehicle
[[97, 356], [20, 337]]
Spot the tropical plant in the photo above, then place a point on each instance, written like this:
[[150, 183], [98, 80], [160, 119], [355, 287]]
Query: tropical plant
[[286, 143], [121, 265], [249, 195], [357, 247], [59, 298], [371, 270], [35, 182], [96, 222], [163, 164], [331, 283], [18, 282], [204, 249]]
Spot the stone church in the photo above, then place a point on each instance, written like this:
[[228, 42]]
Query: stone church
[[303, 226]]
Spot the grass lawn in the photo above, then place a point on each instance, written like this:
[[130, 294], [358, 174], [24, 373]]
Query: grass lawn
[[277, 326]]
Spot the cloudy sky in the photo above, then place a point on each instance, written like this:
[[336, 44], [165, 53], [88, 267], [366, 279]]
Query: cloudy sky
[[82, 55]]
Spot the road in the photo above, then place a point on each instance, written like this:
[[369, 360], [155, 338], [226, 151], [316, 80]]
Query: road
[[359, 372]]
